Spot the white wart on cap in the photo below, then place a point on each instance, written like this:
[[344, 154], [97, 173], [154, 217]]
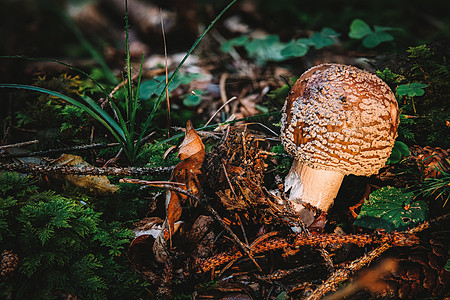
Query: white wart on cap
[[337, 120]]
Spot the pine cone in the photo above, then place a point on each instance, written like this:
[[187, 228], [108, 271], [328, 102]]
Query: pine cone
[[9, 263], [421, 272], [422, 163], [432, 159]]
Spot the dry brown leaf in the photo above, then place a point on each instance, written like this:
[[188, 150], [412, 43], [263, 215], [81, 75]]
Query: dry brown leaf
[[192, 154], [191, 144], [98, 184]]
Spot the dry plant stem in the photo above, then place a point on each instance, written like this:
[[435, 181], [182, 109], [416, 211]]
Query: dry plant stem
[[166, 67], [220, 108], [280, 274], [223, 91], [114, 159], [343, 274], [313, 186]]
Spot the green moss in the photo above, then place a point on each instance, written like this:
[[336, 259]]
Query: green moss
[[63, 245]]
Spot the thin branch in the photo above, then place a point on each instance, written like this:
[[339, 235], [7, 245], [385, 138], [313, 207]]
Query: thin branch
[[205, 203], [343, 274], [17, 145], [69, 170], [61, 150]]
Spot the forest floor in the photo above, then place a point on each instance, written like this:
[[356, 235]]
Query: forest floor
[[144, 193]]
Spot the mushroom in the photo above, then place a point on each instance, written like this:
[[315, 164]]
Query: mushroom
[[337, 120]]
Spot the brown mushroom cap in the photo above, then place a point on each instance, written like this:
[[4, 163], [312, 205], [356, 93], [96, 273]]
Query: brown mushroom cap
[[340, 118]]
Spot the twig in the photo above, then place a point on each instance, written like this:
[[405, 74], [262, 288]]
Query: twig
[[394, 239], [166, 67], [223, 90], [69, 170], [228, 178], [202, 201], [371, 280], [19, 144], [60, 150], [242, 228], [343, 274], [280, 274], [114, 159]]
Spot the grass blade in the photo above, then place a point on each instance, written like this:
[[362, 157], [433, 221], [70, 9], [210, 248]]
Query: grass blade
[[105, 115], [161, 96], [118, 135], [81, 38]]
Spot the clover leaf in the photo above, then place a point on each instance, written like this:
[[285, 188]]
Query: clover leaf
[[359, 29], [193, 99], [323, 38], [391, 208], [266, 49], [411, 89], [372, 38], [294, 49]]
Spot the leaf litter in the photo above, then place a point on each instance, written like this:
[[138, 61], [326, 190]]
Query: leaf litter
[[223, 223]]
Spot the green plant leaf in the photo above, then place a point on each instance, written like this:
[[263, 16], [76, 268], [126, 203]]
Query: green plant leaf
[[294, 49], [391, 208], [239, 41], [112, 127], [156, 85], [359, 29], [266, 49], [372, 38], [281, 296], [412, 89], [376, 38], [398, 150], [394, 158], [193, 99], [447, 266], [402, 148], [323, 38]]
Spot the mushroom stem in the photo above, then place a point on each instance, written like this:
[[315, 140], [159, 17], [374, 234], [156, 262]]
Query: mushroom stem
[[316, 187]]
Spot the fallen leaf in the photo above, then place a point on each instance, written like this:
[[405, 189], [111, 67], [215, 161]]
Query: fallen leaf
[[192, 154], [98, 184]]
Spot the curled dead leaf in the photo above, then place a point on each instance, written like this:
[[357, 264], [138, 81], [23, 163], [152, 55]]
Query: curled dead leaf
[[192, 153], [191, 144]]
